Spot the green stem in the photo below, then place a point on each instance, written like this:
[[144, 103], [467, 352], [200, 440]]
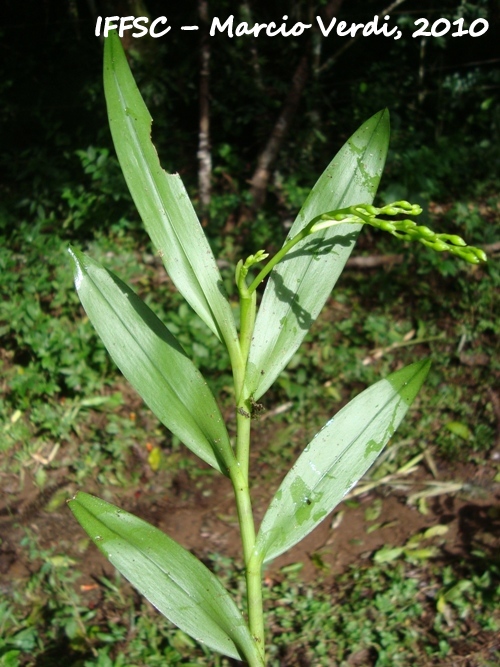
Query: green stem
[[278, 257], [239, 474], [248, 308], [252, 571], [243, 425], [306, 231]]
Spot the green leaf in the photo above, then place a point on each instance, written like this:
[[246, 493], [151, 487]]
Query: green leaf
[[168, 575], [162, 200], [300, 284], [460, 429], [153, 362], [387, 554], [336, 458]]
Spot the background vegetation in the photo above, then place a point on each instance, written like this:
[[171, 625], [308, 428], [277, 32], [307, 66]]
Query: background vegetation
[[68, 420]]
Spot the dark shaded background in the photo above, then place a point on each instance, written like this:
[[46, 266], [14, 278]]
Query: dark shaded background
[[442, 93]]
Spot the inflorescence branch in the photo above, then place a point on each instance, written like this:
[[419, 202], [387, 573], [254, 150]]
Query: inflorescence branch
[[406, 230], [364, 214]]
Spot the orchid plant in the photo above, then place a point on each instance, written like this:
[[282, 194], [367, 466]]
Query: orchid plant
[[300, 277]]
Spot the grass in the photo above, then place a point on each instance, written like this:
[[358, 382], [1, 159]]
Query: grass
[[391, 616], [67, 415]]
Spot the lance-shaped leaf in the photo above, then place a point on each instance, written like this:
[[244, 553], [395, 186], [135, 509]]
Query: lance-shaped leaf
[[300, 284], [153, 362], [337, 457], [162, 200], [170, 577]]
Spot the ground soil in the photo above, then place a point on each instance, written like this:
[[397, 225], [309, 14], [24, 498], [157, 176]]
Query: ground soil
[[201, 516]]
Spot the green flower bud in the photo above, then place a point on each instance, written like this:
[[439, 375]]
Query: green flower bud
[[475, 254], [440, 246], [328, 217], [453, 238], [426, 232], [405, 205], [403, 237], [408, 225], [412, 235], [406, 230]]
